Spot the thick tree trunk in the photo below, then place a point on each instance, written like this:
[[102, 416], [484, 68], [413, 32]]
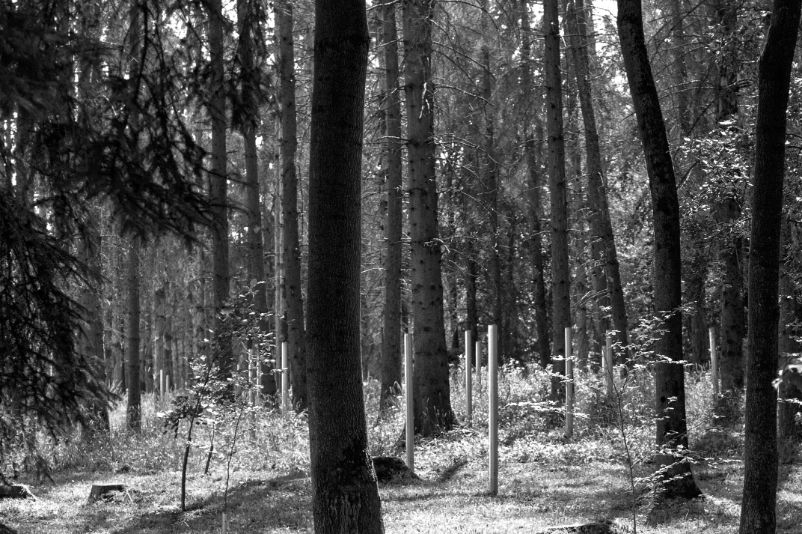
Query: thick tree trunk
[[600, 225], [218, 186], [134, 410], [344, 493], [293, 295], [560, 269], [672, 432], [758, 507], [433, 411], [391, 331]]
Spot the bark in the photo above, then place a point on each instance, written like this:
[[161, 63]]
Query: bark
[[560, 269], [758, 507], [344, 493], [293, 295], [391, 331], [672, 433], [256, 252], [134, 410], [219, 186], [534, 181], [433, 411], [732, 318], [600, 224], [491, 182]]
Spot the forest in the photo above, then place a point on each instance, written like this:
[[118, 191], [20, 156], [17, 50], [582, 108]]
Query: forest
[[402, 266]]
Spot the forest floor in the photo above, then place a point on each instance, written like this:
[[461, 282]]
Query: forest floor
[[544, 479]]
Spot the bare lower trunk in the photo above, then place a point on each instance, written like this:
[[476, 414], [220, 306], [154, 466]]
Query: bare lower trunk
[[433, 411], [758, 506], [344, 493]]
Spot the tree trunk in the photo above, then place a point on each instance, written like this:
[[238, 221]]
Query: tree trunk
[[733, 315], [560, 269], [134, 410], [344, 493], [391, 331], [600, 225], [531, 149], [672, 432], [246, 21], [433, 411], [293, 295], [758, 507], [223, 351]]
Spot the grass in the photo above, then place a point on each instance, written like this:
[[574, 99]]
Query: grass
[[544, 479]]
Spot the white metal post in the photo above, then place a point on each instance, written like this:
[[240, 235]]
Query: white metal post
[[285, 378], [468, 374], [478, 354], [711, 332], [492, 405], [569, 385], [410, 426]]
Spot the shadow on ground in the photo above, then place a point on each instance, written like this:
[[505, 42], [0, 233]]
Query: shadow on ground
[[254, 506]]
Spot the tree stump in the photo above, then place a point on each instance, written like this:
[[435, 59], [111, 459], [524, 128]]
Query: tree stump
[[15, 491], [391, 469], [104, 492]]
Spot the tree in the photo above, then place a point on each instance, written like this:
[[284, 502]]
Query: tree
[[218, 186], [560, 269], [247, 19], [533, 167], [672, 432], [293, 297], [758, 513], [603, 240], [133, 408], [433, 411], [344, 493], [391, 331]]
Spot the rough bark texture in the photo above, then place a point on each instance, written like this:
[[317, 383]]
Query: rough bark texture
[[672, 433], [600, 225], [218, 185], [344, 493], [293, 296], [391, 332], [134, 410], [758, 507], [560, 269], [433, 411]]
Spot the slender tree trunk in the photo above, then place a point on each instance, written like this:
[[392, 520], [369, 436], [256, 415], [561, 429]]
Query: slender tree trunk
[[433, 411], [758, 507], [491, 179], [732, 318], [134, 410], [560, 269], [218, 188], [344, 493], [600, 225], [391, 332], [533, 167], [293, 295], [672, 431], [246, 21]]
